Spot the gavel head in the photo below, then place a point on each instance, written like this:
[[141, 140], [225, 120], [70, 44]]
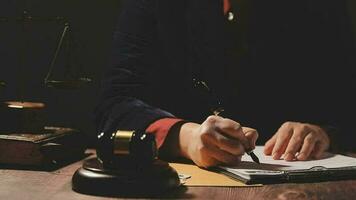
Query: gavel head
[[126, 148]]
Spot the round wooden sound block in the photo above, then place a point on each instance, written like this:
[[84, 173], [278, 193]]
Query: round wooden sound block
[[126, 180]]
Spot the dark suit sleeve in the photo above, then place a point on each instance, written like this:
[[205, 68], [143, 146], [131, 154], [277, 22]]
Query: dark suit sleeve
[[342, 57], [122, 104]]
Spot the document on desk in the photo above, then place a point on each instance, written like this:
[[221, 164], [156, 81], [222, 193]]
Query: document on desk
[[330, 167]]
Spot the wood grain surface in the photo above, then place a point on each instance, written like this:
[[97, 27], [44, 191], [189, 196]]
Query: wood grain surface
[[56, 185]]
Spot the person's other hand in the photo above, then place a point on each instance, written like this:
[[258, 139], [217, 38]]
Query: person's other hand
[[217, 141], [297, 141]]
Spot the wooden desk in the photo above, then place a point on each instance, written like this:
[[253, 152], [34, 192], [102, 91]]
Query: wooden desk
[[56, 185]]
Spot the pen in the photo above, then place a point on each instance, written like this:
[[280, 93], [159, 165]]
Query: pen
[[217, 109], [250, 153], [253, 156]]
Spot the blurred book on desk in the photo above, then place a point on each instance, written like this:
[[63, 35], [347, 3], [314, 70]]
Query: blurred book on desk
[[54, 146]]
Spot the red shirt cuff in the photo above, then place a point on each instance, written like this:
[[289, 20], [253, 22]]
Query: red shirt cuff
[[227, 6], [160, 129]]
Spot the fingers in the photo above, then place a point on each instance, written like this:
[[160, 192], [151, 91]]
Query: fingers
[[308, 146], [232, 135], [299, 141], [251, 135], [224, 141], [232, 129], [230, 146], [220, 150], [269, 145], [284, 134], [228, 128], [222, 157], [315, 144], [295, 143]]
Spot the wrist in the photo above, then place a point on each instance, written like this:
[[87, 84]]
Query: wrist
[[186, 135]]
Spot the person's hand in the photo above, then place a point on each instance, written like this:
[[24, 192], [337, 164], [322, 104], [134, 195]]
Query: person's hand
[[297, 141], [217, 141]]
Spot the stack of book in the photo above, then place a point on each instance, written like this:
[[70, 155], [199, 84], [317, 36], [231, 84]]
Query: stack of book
[[54, 145]]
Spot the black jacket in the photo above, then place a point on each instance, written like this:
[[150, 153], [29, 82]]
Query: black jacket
[[294, 63]]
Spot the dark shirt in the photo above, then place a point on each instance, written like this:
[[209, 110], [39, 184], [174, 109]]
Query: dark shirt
[[279, 62]]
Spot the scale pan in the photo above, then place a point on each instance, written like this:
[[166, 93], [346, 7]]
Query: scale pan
[[68, 84], [24, 105]]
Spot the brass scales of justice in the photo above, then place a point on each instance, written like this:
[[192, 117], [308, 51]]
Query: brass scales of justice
[[25, 137]]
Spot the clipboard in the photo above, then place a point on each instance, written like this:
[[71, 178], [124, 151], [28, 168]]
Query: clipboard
[[331, 167]]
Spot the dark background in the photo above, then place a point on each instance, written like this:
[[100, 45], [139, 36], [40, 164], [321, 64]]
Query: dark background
[[92, 23]]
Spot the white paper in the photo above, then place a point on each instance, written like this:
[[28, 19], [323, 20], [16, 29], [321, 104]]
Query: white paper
[[269, 166]]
